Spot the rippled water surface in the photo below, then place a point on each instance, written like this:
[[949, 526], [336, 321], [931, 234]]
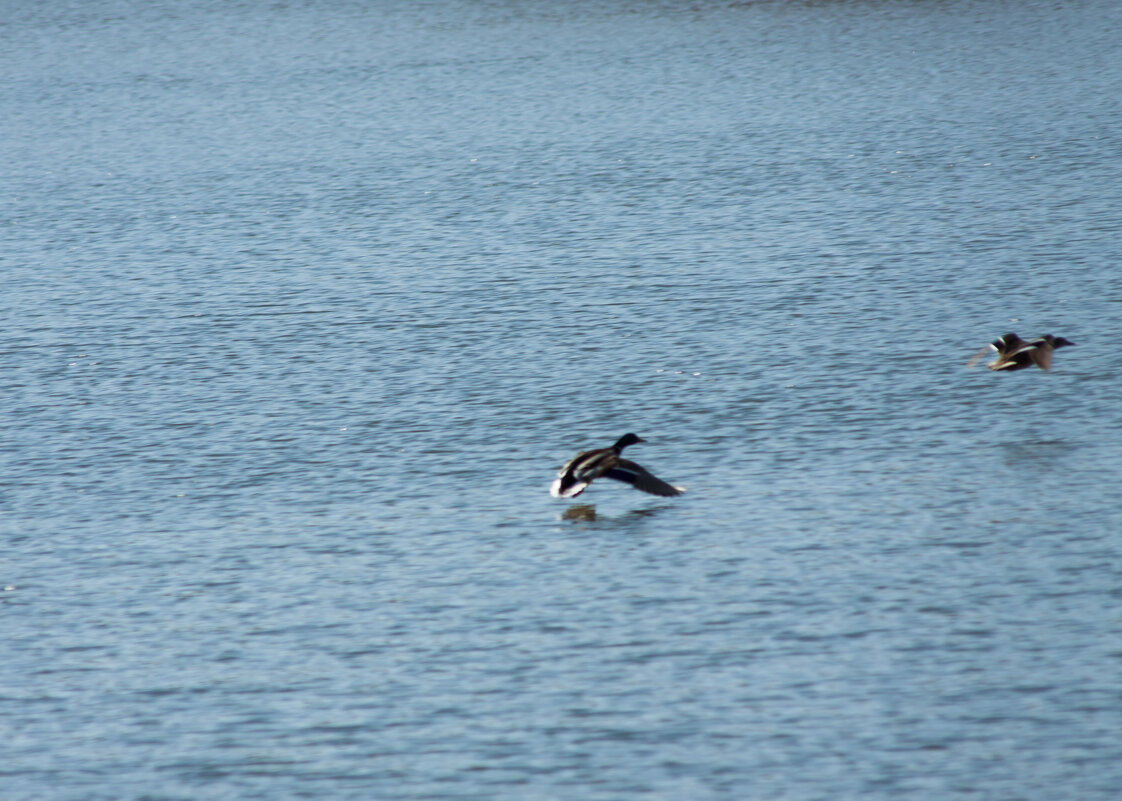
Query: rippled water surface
[[305, 303]]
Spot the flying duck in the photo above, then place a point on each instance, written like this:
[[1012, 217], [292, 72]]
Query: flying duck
[[1013, 353], [586, 467]]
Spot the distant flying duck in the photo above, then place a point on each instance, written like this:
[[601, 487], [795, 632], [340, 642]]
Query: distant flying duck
[[1013, 353], [586, 467]]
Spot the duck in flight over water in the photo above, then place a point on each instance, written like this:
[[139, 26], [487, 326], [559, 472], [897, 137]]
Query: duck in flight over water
[[1013, 353], [586, 467]]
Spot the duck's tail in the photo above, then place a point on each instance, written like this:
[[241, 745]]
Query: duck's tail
[[565, 486]]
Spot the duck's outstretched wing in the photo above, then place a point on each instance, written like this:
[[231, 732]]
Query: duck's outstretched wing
[[1018, 359], [1029, 355], [638, 477], [977, 357], [1042, 355]]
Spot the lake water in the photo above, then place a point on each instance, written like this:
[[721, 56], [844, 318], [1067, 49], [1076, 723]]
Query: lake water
[[304, 304]]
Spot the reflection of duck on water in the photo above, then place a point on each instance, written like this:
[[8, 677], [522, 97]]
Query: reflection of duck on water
[[582, 511], [587, 466], [586, 513]]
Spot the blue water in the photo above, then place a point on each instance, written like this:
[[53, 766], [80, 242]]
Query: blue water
[[303, 304]]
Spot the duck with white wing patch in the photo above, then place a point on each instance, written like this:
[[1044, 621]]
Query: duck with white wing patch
[[1014, 353], [587, 466]]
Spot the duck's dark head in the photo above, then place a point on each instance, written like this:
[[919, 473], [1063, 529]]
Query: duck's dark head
[[1058, 342], [627, 439]]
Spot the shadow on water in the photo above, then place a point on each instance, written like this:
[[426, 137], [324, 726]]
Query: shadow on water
[[1036, 455], [586, 513]]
